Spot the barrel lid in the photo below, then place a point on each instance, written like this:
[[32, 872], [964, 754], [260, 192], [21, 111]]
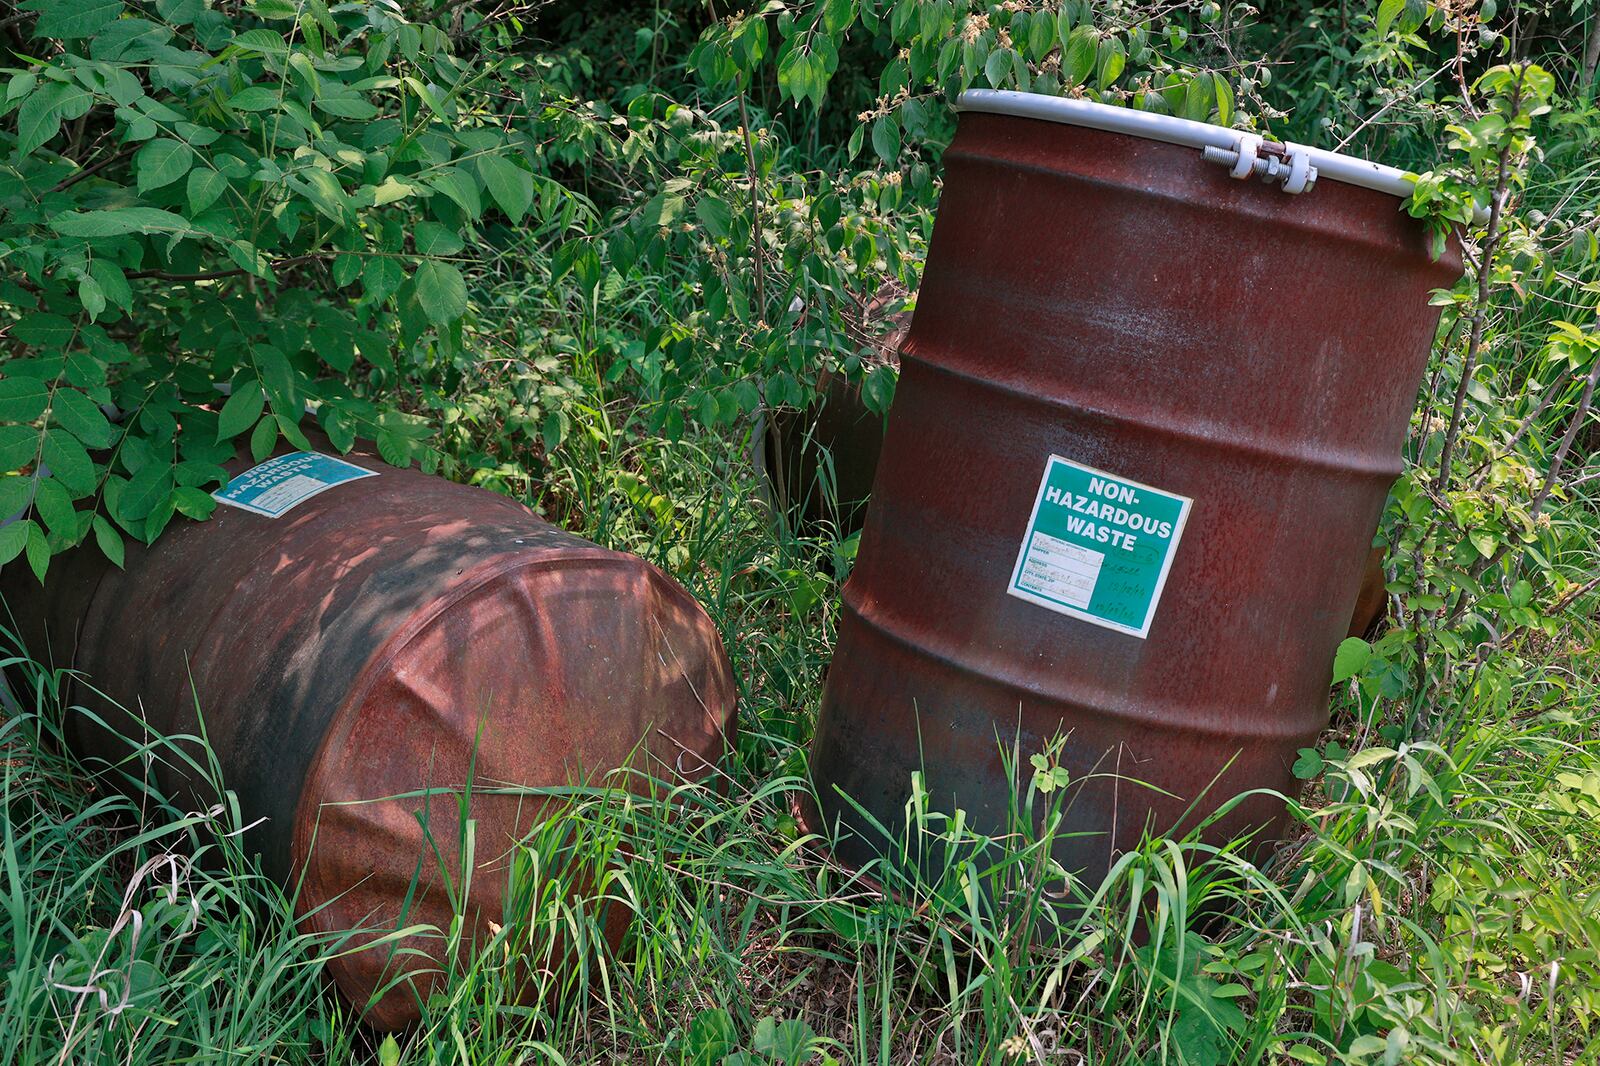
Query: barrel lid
[[1295, 167]]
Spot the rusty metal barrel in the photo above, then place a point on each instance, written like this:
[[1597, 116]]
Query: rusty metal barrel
[[1147, 418], [353, 635]]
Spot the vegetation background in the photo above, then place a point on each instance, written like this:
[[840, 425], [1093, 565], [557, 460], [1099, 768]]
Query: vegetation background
[[572, 252]]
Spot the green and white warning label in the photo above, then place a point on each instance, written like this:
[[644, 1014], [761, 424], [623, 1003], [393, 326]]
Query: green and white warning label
[[1098, 546]]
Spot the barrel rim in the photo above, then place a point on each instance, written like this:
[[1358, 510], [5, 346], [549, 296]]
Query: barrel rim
[[1337, 166]]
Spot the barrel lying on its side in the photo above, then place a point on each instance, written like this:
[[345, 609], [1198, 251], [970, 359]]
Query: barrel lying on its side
[[391, 634]]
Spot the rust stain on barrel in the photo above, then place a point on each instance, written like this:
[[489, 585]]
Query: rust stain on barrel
[[392, 634], [1121, 303]]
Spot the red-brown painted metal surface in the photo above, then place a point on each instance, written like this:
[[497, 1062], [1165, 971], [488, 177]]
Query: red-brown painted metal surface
[[391, 635], [1123, 304], [819, 462]]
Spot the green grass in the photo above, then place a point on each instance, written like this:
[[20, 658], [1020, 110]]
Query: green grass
[[1415, 914]]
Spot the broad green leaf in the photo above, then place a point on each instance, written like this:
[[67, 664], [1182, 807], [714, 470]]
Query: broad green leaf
[[68, 460], [714, 214], [1350, 659], [91, 296], [441, 292], [263, 438], [109, 540], [390, 191], [434, 239], [1308, 765], [22, 399], [997, 66], [1113, 57], [180, 12], [1078, 63], [381, 278], [290, 428], [19, 447], [193, 503], [13, 539], [394, 448], [325, 194], [255, 98], [118, 221], [71, 20], [203, 188], [42, 113], [1388, 10], [41, 330], [242, 410], [886, 138], [82, 417], [53, 506], [162, 162], [509, 184], [149, 487], [455, 184], [16, 492], [266, 42]]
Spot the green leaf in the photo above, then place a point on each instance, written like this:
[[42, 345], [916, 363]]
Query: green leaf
[[1388, 10], [434, 239], [71, 20], [325, 194], [81, 416], [509, 184], [41, 330], [149, 487], [109, 540], [1350, 659], [16, 492], [203, 188], [455, 184], [1113, 57], [19, 447], [1080, 56], [68, 461], [263, 438], [118, 221], [441, 292], [714, 214], [162, 162], [54, 507], [290, 428], [997, 66], [13, 538], [1485, 542], [255, 98], [381, 278], [886, 138], [242, 410], [41, 114], [1308, 765], [193, 503], [91, 296], [22, 399]]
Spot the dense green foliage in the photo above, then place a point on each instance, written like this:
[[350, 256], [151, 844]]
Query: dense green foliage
[[571, 252]]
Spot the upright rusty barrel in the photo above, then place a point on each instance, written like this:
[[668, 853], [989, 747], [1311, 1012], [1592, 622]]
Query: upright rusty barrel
[[1146, 421], [356, 634]]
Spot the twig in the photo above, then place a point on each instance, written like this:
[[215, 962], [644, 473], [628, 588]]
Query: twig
[[74, 178], [755, 210], [1566, 601], [1480, 311], [213, 275]]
